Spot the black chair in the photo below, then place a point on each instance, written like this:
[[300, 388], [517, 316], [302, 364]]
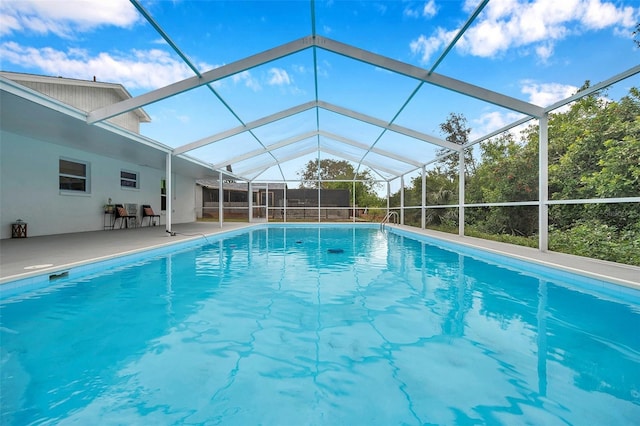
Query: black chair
[[147, 211], [124, 216]]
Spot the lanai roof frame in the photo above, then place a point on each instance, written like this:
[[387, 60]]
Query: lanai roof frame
[[314, 42]]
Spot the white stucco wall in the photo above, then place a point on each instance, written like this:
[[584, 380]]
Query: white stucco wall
[[183, 204], [198, 201], [29, 189]]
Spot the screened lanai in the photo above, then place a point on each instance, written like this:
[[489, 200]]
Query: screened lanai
[[262, 92]]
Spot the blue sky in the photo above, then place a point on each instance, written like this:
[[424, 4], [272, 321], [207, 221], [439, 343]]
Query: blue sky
[[539, 51]]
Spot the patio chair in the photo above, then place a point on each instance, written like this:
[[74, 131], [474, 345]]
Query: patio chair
[[147, 211], [124, 216]]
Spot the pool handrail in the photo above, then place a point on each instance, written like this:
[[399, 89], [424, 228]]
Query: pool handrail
[[387, 218]]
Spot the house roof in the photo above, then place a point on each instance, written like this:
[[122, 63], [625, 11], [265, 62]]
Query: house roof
[[117, 88]]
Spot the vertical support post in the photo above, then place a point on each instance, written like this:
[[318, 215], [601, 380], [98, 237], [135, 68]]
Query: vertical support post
[[319, 180], [266, 202], [353, 202], [169, 192], [284, 201], [319, 201], [461, 201], [220, 199], [423, 215], [388, 195], [543, 183], [250, 199], [402, 200]]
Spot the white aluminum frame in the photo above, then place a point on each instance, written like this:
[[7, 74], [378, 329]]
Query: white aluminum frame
[[421, 75]]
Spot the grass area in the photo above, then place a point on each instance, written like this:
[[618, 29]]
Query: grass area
[[503, 238], [597, 242], [215, 219]]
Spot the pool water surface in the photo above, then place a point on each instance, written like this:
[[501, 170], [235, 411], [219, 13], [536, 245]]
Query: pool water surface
[[327, 325]]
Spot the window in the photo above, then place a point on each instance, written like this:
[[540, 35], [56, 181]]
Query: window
[[128, 179], [74, 175]]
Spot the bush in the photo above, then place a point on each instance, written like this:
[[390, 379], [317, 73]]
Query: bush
[[503, 238], [598, 240]]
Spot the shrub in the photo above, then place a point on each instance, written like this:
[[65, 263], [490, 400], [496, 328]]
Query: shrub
[[598, 240]]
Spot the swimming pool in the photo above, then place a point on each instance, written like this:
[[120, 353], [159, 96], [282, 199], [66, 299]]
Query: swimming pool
[[321, 325]]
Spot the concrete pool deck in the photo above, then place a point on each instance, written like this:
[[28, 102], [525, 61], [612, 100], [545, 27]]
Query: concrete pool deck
[[27, 257]]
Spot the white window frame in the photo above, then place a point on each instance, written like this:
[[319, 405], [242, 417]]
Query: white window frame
[[86, 177], [135, 181]]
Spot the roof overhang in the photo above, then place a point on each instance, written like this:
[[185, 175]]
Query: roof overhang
[[63, 125]]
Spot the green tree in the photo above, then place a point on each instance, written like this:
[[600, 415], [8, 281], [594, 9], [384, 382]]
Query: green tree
[[617, 173], [442, 182], [441, 190], [317, 172], [508, 172], [594, 154], [456, 131], [324, 174]]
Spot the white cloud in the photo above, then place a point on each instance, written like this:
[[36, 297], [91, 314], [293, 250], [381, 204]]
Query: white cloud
[[278, 77], [140, 69], [541, 94], [411, 13], [470, 5], [301, 69], [425, 47], [184, 119], [248, 80], [599, 15], [490, 122], [8, 23], [512, 23], [544, 51], [381, 8], [545, 94], [65, 17], [428, 10], [324, 68], [507, 24]]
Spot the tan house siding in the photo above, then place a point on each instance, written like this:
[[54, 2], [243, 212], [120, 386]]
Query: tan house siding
[[87, 99]]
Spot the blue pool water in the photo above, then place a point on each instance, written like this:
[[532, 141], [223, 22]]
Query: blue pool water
[[321, 326]]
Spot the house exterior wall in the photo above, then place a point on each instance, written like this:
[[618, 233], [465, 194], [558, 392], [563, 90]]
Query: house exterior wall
[[29, 189], [199, 202], [87, 98], [183, 204]]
